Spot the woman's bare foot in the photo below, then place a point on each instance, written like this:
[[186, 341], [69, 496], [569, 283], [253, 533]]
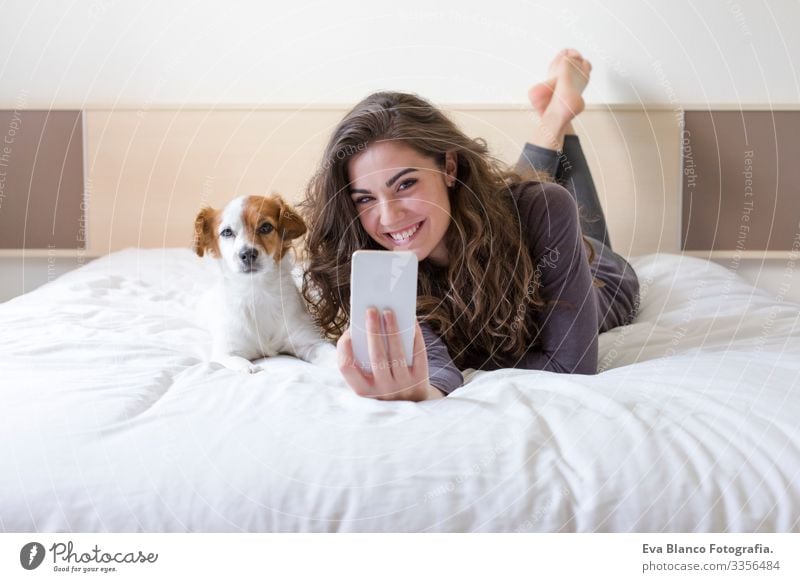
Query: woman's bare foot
[[558, 100], [572, 75], [540, 94]]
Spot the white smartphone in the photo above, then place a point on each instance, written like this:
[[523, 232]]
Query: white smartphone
[[384, 280]]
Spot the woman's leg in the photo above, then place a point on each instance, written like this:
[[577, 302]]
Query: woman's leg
[[554, 146], [539, 159], [569, 168], [575, 176]]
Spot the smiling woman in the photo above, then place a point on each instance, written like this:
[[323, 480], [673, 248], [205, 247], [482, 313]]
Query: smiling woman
[[391, 210], [510, 274]]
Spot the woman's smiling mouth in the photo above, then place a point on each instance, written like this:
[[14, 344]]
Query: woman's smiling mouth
[[404, 237]]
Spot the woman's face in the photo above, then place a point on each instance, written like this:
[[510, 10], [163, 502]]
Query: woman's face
[[401, 198]]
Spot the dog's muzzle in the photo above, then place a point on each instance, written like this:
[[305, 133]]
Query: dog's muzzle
[[248, 257]]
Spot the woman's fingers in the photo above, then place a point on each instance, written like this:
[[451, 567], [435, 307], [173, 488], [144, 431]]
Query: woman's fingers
[[376, 346], [352, 373], [397, 355], [391, 377]]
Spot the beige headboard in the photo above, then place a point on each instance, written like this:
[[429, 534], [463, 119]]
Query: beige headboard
[[149, 171]]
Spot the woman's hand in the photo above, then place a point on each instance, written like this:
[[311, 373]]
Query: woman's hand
[[391, 378]]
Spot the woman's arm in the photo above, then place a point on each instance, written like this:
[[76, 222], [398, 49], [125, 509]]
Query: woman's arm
[[568, 323], [442, 371]]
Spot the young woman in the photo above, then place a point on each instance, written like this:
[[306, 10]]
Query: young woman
[[513, 272]]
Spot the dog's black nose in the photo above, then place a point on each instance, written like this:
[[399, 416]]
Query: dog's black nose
[[248, 256]]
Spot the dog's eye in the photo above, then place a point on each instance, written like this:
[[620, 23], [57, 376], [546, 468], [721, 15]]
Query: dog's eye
[[265, 228], [226, 232]]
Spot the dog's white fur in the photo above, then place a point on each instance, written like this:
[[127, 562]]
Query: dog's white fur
[[255, 310]]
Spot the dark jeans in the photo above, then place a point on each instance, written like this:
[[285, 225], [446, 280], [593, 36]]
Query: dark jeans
[[570, 169]]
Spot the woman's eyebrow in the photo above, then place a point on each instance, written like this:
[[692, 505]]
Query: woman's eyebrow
[[389, 182]]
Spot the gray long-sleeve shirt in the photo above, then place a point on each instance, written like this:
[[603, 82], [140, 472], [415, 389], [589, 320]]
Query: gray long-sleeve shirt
[[568, 328]]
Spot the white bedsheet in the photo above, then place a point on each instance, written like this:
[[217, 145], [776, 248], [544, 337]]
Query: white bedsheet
[[113, 420]]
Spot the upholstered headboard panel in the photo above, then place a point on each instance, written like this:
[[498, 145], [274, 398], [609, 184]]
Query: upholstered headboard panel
[[149, 171]]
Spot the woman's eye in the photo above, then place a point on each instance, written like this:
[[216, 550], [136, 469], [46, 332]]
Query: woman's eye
[[406, 184], [265, 228], [363, 199], [226, 232]]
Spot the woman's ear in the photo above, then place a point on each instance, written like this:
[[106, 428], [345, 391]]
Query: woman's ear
[[450, 168]]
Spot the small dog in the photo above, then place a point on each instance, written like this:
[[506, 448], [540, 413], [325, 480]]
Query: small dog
[[256, 310]]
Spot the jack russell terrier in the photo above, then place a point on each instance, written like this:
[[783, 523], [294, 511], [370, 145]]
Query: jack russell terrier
[[256, 310]]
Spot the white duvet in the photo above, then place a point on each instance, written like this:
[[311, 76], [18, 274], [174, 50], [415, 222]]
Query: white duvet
[[111, 419]]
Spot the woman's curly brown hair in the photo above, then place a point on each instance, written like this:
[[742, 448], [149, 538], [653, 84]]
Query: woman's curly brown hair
[[482, 303]]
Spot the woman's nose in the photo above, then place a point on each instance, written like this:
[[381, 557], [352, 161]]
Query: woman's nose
[[392, 213]]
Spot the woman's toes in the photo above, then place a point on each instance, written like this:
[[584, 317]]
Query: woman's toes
[[579, 70], [572, 55]]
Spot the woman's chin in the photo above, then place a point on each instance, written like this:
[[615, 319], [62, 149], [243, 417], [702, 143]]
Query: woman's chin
[[421, 254]]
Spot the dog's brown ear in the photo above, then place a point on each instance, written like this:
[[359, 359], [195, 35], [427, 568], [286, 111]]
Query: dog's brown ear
[[204, 239], [289, 222]]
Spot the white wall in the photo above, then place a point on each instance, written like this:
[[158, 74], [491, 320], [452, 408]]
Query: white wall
[[55, 53]]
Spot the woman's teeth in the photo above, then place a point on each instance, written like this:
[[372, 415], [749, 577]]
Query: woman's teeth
[[405, 234]]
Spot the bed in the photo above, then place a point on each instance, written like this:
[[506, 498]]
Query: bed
[[113, 420]]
